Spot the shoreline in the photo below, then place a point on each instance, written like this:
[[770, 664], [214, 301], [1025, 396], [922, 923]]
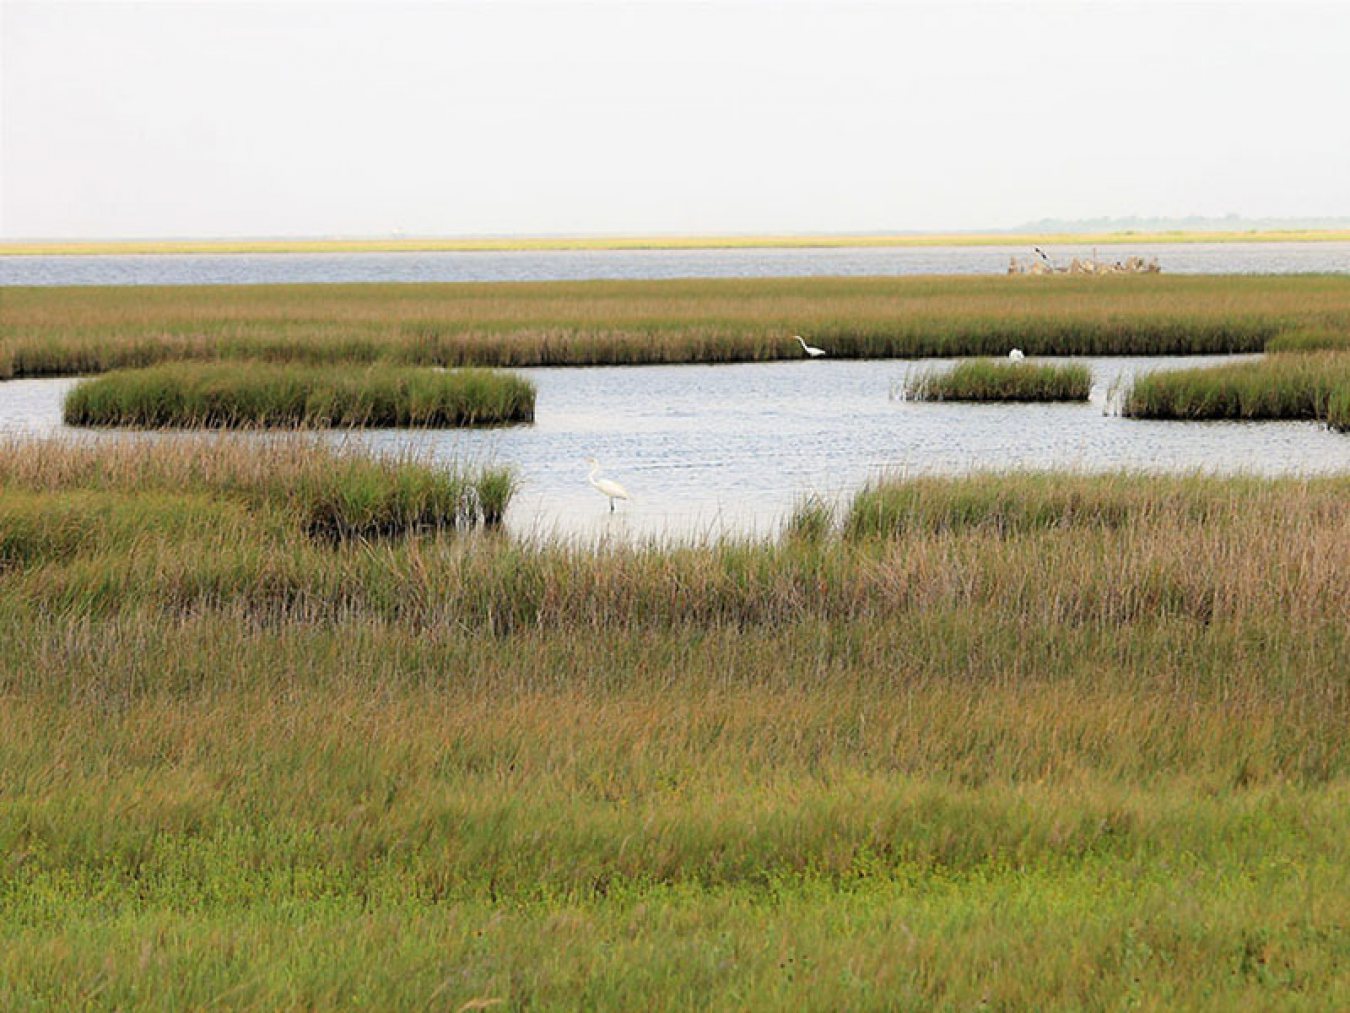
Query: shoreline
[[38, 248]]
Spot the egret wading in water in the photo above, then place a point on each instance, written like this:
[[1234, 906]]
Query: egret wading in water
[[810, 350], [605, 486], [1016, 355]]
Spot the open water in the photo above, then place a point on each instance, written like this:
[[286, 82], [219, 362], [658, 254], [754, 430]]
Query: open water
[[580, 265]]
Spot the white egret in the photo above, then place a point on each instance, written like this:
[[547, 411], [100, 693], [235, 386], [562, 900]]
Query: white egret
[[810, 350], [605, 486], [1016, 355]]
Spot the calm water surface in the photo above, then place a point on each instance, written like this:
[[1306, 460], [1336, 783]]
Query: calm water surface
[[728, 450], [577, 265]]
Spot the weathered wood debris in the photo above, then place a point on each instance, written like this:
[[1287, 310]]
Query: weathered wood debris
[[1041, 264]]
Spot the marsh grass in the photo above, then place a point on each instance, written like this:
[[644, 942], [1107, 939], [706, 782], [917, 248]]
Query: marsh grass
[[82, 330], [1311, 339], [253, 395], [1284, 386], [811, 520], [46, 526], [70, 493], [1056, 740], [995, 380], [927, 544], [1338, 409]]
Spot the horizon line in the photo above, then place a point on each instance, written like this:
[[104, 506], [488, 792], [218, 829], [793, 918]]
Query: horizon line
[[397, 243]]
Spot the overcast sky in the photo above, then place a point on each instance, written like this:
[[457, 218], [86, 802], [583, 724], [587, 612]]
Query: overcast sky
[[306, 119]]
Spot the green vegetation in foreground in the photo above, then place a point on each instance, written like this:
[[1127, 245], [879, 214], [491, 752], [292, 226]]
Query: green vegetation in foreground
[[1031, 741], [992, 380], [47, 331], [1281, 386], [667, 242], [251, 394]]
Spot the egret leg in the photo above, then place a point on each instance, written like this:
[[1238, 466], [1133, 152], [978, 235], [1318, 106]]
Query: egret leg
[[611, 506]]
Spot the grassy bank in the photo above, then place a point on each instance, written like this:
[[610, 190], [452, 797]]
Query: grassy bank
[[67, 499], [658, 242], [1043, 740], [251, 394], [83, 330], [1310, 339], [1281, 386], [991, 380]]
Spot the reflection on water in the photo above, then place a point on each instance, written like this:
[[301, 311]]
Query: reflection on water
[[728, 449], [579, 265]]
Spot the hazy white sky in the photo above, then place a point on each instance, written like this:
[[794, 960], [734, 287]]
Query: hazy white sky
[[449, 118]]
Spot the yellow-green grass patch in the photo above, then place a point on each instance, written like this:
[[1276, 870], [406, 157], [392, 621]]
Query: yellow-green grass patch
[[1285, 386], [993, 380], [262, 395]]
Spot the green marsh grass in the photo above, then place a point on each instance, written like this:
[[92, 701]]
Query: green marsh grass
[[995, 380], [50, 331], [811, 520], [251, 395], [69, 493], [1338, 409], [1023, 740], [1311, 339], [1281, 386], [1022, 503], [44, 526]]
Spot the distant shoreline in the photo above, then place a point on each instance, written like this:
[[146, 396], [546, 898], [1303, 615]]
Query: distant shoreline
[[633, 243]]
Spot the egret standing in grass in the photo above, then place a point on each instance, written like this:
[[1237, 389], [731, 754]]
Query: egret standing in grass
[[1016, 355], [810, 350], [605, 486]]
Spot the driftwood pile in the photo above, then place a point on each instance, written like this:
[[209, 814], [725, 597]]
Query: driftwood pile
[[1041, 264]]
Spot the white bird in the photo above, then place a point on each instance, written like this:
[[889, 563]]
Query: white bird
[[605, 486], [810, 350], [1016, 355]]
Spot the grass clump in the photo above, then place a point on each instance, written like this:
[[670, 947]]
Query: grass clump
[[994, 380], [811, 520], [61, 493], [222, 395], [1338, 409], [1286, 386]]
